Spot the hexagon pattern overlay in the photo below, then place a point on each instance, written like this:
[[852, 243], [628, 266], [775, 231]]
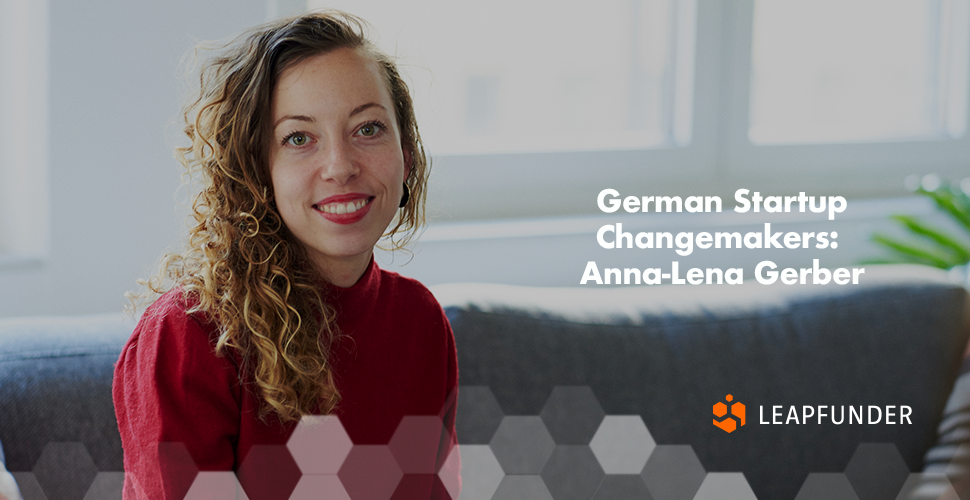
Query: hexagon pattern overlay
[[522, 487], [826, 486], [622, 444], [673, 472], [628, 486], [725, 486], [370, 471], [572, 472], [522, 444], [572, 414], [876, 470], [106, 486], [65, 471], [319, 444], [571, 450], [314, 487], [479, 415], [415, 444], [215, 486], [480, 472]]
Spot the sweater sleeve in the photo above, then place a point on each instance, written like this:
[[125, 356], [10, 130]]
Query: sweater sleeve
[[449, 458], [177, 403]]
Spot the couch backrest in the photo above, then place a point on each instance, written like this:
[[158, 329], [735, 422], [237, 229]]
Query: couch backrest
[[670, 353], [666, 353]]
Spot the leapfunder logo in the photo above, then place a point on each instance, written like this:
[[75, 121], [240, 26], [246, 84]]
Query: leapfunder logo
[[889, 415], [729, 424]]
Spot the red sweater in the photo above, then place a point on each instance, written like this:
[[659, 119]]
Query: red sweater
[[182, 409]]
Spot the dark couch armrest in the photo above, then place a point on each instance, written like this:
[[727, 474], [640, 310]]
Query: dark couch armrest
[[56, 377]]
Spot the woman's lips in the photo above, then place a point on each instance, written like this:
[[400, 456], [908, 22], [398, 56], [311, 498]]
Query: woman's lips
[[344, 208]]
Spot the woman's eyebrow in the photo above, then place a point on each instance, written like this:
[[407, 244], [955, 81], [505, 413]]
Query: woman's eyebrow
[[308, 119], [362, 107], [302, 118]]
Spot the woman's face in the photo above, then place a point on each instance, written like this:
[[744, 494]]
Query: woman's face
[[336, 160]]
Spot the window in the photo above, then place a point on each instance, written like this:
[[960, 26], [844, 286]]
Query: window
[[883, 94], [496, 77], [536, 106], [23, 130], [860, 71]]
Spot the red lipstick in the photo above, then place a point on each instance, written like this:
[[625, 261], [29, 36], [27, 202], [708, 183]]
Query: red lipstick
[[344, 208]]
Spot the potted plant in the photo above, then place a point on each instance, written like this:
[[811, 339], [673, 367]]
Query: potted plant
[[930, 245]]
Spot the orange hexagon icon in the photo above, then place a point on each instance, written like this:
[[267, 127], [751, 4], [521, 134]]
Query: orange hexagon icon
[[720, 410], [729, 424], [737, 409]]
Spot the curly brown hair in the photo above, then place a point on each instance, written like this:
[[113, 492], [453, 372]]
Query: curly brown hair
[[241, 266]]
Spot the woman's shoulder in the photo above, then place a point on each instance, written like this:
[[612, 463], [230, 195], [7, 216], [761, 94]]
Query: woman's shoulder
[[171, 320], [405, 288], [177, 304], [404, 297]]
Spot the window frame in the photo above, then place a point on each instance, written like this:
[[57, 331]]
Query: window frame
[[24, 126], [718, 160], [867, 159]]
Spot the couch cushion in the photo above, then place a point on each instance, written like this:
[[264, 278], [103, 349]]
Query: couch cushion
[[56, 374], [669, 353]]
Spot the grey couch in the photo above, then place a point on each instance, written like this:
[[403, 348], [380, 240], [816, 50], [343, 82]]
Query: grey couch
[[555, 381], [57, 422], [669, 354]]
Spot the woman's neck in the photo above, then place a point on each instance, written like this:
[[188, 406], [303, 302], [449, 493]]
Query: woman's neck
[[345, 272]]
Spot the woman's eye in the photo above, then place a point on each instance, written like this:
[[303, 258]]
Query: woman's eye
[[297, 139], [369, 130]]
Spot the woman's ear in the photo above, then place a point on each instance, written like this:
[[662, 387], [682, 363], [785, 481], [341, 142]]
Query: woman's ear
[[408, 161]]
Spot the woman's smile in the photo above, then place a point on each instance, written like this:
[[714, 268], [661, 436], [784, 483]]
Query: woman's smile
[[344, 209]]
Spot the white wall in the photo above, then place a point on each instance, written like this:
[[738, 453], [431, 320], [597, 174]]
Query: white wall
[[115, 94]]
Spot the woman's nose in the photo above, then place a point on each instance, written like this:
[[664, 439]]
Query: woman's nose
[[339, 163]]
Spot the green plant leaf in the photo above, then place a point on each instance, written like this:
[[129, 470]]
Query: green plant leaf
[[960, 250], [945, 201], [912, 253], [874, 261]]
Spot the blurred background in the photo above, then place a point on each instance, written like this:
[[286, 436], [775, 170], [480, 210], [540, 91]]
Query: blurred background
[[528, 108]]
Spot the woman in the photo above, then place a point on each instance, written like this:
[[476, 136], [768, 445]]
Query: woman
[[305, 141]]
